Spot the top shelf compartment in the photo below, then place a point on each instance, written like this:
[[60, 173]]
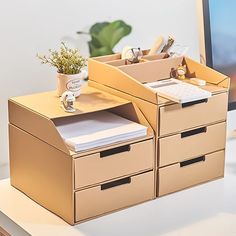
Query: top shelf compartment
[[42, 113], [111, 71]]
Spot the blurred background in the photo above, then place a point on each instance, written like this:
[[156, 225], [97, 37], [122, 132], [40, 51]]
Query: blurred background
[[28, 27]]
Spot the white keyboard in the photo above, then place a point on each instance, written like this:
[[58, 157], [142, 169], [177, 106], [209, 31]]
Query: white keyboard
[[178, 91]]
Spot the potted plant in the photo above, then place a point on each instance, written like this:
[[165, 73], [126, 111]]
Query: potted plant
[[69, 64]]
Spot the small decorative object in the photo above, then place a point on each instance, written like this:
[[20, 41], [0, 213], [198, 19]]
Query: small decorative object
[[179, 72], [67, 101], [132, 55], [105, 35], [69, 64]]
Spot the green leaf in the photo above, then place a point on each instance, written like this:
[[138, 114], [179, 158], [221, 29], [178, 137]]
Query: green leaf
[[110, 34], [94, 31], [105, 35], [99, 51], [96, 28]]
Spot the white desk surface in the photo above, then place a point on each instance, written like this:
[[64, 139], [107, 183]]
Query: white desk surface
[[208, 209]]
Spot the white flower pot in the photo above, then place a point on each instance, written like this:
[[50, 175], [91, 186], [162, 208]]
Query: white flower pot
[[71, 83]]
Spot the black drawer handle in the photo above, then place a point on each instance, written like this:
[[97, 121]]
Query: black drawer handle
[[187, 104], [113, 151], [116, 183], [192, 161], [193, 132]]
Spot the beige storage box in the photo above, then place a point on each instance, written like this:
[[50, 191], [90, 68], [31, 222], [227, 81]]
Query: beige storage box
[[83, 185], [183, 131]]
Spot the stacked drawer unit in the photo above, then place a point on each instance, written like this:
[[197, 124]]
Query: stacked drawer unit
[[84, 185], [190, 137], [119, 177], [191, 143]]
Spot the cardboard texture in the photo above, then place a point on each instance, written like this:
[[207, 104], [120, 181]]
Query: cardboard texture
[[188, 147], [191, 143], [174, 177], [99, 200], [42, 172], [182, 132], [129, 78], [138, 157], [175, 118], [43, 167]]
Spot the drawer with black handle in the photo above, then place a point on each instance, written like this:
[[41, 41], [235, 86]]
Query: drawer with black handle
[[114, 195], [191, 143], [178, 117], [114, 163], [191, 172]]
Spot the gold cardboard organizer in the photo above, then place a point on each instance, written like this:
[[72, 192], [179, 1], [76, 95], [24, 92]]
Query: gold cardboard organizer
[[109, 73], [112, 71], [78, 186], [190, 139]]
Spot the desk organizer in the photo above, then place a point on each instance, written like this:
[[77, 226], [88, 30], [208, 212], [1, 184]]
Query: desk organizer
[[83, 185], [190, 138]]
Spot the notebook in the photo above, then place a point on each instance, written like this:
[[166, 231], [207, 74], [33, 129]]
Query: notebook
[[178, 91], [98, 129]]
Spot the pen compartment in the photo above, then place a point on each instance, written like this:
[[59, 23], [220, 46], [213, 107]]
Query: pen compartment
[[190, 172], [129, 191], [175, 118], [112, 163], [194, 142], [146, 58]]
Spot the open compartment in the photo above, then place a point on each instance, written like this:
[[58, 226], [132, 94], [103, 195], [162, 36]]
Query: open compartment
[[166, 117], [37, 119], [146, 58], [130, 78]]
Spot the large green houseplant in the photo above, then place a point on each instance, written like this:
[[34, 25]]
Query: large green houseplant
[[105, 35]]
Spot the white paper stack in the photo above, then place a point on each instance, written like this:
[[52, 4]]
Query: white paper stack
[[93, 130]]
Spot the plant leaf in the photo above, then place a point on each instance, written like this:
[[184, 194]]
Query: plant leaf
[[96, 28], [110, 34], [99, 51]]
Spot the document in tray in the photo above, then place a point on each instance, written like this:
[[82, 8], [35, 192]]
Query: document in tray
[[178, 91], [97, 129]]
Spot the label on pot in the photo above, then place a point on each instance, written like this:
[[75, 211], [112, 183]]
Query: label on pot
[[73, 85]]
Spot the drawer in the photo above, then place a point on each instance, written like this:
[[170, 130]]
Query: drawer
[[178, 117], [188, 144], [114, 195], [114, 163], [191, 172]]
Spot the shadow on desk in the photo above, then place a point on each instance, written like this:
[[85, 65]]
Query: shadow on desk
[[162, 215], [188, 209]]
